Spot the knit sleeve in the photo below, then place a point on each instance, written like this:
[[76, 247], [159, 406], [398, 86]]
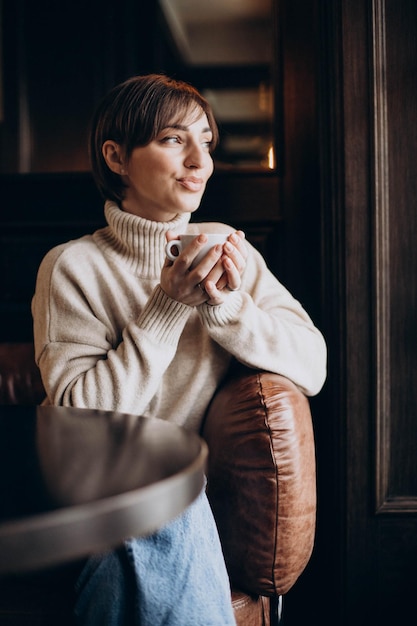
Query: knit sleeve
[[263, 326], [86, 356]]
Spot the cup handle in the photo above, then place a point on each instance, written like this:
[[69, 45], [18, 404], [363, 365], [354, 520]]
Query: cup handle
[[169, 246]]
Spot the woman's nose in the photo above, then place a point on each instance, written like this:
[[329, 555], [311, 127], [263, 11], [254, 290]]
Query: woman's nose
[[195, 156]]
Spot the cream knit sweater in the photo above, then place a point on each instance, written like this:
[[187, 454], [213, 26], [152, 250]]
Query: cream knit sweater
[[108, 337]]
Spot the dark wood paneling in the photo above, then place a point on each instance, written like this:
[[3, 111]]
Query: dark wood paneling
[[37, 212], [395, 113], [59, 59], [369, 121]]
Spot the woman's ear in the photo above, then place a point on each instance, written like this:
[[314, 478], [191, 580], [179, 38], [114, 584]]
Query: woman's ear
[[113, 156]]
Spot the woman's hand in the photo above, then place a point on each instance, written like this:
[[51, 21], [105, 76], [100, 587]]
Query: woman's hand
[[221, 269], [185, 284], [233, 265], [234, 261]]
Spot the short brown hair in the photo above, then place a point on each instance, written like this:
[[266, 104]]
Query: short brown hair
[[132, 114]]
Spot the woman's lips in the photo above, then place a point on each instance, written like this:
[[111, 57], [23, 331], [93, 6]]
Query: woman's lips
[[192, 183]]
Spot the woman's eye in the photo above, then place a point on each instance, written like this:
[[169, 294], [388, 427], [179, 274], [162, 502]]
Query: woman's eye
[[171, 139]]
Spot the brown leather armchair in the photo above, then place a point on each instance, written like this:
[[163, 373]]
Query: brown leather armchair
[[261, 485]]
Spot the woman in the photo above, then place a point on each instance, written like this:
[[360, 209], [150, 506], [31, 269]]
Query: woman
[[119, 327]]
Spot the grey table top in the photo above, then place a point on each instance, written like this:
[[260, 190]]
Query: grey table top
[[74, 482]]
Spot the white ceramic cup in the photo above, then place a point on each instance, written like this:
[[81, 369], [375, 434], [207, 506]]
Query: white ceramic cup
[[183, 241]]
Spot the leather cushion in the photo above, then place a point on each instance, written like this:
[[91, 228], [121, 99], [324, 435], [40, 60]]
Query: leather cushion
[[20, 379], [250, 610], [261, 480]]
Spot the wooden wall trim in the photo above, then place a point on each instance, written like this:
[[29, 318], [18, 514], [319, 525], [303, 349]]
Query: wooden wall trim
[[381, 251], [385, 502]]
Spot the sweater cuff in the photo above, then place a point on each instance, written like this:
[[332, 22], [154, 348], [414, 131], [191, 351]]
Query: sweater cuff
[[222, 314], [163, 317]]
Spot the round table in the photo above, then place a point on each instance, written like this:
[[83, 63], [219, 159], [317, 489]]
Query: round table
[[74, 482]]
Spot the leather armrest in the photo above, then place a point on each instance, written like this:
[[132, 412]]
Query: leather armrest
[[20, 379], [262, 480]]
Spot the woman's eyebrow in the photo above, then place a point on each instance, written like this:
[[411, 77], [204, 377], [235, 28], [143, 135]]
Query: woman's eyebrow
[[207, 129]]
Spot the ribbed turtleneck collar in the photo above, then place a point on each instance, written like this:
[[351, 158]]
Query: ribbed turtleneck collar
[[136, 241]]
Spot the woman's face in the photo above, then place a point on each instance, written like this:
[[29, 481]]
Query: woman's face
[[169, 175]]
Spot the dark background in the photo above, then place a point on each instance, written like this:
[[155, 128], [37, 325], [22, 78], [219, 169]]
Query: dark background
[[336, 222]]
